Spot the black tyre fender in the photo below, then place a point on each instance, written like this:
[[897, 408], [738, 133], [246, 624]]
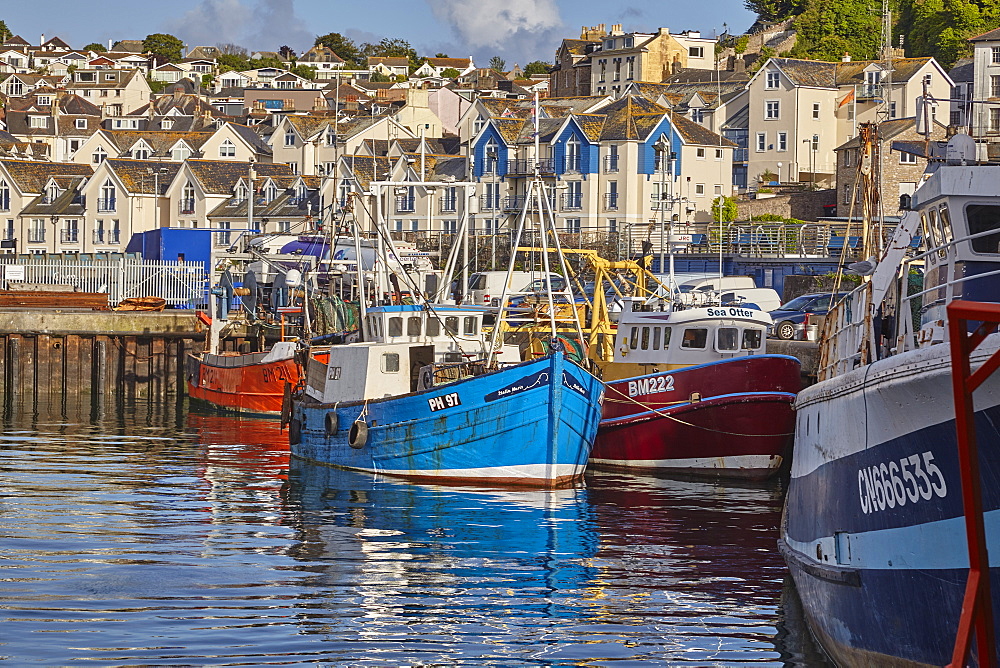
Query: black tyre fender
[[358, 435], [331, 422], [294, 431]]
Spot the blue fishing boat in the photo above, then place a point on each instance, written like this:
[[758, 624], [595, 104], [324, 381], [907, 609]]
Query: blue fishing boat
[[873, 530], [426, 397], [529, 424]]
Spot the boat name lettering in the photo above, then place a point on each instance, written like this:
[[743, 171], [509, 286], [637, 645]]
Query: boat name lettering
[[892, 484], [532, 381], [649, 385], [449, 400], [274, 374], [732, 312], [573, 384]]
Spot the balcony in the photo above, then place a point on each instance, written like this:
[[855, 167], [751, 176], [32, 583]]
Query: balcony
[[405, 204], [741, 155], [488, 203], [106, 204], [611, 201], [571, 163], [449, 205], [36, 236], [114, 236], [611, 164], [186, 206], [572, 201], [97, 237], [870, 91], [71, 236], [524, 167]]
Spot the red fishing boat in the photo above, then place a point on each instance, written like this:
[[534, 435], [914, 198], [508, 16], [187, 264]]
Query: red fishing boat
[[692, 391]]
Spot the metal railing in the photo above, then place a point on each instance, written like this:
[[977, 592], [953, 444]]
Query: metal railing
[[186, 206], [571, 163], [106, 204], [572, 201], [405, 204], [69, 236], [36, 236], [489, 203], [182, 284], [610, 164], [611, 201], [449, 204]]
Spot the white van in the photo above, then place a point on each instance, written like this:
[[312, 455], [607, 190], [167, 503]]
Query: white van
[[765, 299], [485, 287]]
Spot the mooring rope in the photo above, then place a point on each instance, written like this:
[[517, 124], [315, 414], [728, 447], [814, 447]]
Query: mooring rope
[[651, 409]]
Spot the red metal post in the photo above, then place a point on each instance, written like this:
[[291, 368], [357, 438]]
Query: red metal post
[[977, 607]]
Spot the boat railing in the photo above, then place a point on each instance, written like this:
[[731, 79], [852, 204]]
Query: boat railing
[[849, 324], [441, 374]]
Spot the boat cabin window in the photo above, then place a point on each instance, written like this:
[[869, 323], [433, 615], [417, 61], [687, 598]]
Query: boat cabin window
[[727, 338], [433, 326], [656, 337], [752, 339], [451, 324], [390, 362], [395, 326], [666, 337], [645, 338], [413, 326], [634, 338], [694, 338], [470, 325], [982, 218], [375, 325], [930, 232], [946, 224]]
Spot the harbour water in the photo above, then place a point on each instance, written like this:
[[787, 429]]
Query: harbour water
[[160, 536]]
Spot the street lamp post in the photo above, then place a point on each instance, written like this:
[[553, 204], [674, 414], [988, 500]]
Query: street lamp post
[[662, 147], [779, 173]]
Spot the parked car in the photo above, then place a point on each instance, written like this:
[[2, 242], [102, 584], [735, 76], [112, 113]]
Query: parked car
[[796, 311]]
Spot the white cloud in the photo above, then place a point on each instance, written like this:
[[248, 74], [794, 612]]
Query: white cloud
[[258, 25], [494, 22]]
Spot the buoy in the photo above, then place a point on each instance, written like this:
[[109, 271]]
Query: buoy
[[358, 435]]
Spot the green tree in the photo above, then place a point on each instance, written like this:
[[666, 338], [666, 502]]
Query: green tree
[[96, 47], [450, 73], [343, 47], [229, 62], [724, 209], [378, 77], [5, 32], [393, 48], [498, 64], [826, 29], [536, 67], [163, 45], [304, 71]]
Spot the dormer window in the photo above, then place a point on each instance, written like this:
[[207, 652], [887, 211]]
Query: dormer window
[[141, 152], [81, 123], [38, 121], [270, 192], [53, 193], [44, 100], [241, 193], [167, 123], [180, 153]]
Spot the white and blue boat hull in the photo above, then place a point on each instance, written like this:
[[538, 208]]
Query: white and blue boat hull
[[873, 530], [532, 424]]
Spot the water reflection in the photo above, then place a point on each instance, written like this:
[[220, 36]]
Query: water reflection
[[154, 535]]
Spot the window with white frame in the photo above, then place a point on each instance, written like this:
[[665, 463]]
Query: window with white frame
[[848, 158], [696, 52], [848, 189], [718, 154], [81, 123], [761, 141], [36, 230], [772, 110], [718, 189], [700, 153], [4, 196], [816, 110], [995, 119], [44, 100], [995, 85], [227, 149], [907, 158], [166, 124], [293, 167], [180, 153], [699, 189], [782, 141], [140, 152], [289, 138], [995, 54], [772, 79], [38, 121]]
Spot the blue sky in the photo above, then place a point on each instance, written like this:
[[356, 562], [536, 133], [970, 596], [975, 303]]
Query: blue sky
[[517, 30]]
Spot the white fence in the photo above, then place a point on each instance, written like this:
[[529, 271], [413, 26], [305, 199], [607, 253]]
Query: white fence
[[182, 284]]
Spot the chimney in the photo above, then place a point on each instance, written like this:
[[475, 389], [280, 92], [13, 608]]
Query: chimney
[[41, 40], [109, 45], [846, 58]]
